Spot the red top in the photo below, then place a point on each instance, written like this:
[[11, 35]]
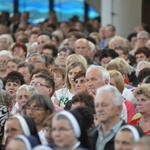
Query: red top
[[130, 110], [136, 122]]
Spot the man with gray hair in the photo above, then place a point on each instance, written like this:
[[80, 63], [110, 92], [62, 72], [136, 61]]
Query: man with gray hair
[[142, 38], [108, 108], [96, 76], [36, 60]]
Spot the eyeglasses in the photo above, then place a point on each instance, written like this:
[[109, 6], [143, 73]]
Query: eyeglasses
[[37, 84], [35, 61], [60, 54], [62, 129], [34, 108]]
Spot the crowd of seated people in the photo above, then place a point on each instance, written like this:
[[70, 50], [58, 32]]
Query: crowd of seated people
[[73, 86]]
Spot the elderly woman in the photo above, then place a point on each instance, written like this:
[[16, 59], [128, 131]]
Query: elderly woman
[[22, 94], [142, 95], [39, 106], [127, 136], [12, 82]]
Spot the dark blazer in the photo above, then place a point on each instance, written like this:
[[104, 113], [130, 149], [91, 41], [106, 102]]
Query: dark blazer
[[93, 135]]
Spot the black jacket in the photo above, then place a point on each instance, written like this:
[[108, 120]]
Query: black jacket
[[93, 135]]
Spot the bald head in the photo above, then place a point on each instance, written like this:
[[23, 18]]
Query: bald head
[[82, 47]]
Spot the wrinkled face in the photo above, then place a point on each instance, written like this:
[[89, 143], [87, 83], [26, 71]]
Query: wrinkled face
[[36, 62], [38, 113], [60, 130], [105, 108], [82, 47], [12, 88], [80, 84], [16, 144], [42, 40], [13, 128], [143, 104], [141, 57], [141, 40], [3, 63], [11, 66], [93, 81], [62, 56], [72, 73], [3, 44], [23, 95], [26, 74], [124, 140]]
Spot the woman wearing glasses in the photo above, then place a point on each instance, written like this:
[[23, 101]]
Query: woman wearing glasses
[[39, 106]]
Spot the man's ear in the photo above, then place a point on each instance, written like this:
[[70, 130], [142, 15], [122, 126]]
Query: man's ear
[[120, 109], [50, 90], [106, 82]]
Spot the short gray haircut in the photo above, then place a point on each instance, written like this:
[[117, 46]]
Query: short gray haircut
[[146, 63], [117, 97], [145, 33], [41, 58], [102, 70], [30, 89], [6, 53]]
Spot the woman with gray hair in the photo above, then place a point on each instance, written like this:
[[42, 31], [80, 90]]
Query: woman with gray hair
[[22, 94]]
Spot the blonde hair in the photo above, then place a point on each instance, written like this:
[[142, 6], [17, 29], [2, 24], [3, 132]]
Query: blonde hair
[[118, 64], [71, 66], [122, 41], [76, 58], [118, 78], [142, 89]]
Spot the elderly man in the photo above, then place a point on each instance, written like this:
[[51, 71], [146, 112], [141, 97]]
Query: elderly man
[[108, 107], [82, 47], [96, 77], [43, 39], [37, 60]]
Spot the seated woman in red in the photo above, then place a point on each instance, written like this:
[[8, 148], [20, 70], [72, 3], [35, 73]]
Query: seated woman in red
[[142, 95]]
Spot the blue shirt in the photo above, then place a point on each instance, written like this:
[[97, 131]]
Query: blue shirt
[[101, 140]]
